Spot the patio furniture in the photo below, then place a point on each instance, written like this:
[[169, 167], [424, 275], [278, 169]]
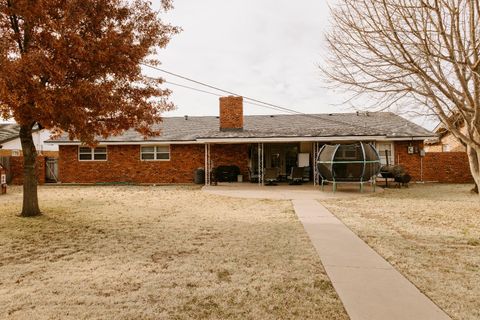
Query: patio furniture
[[402, 180], [226, 173], [270, 176], [386, 171], [252, 175], [296, 176], [398, 173], [306, 174]]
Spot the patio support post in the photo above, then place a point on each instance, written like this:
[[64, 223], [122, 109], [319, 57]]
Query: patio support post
[[314, 163], [208, 164], [364, 165], [260, 164]]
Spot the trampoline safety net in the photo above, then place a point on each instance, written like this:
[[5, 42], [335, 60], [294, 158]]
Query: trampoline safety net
[[357, 162]]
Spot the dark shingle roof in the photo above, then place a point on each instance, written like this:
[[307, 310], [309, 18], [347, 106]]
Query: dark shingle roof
[[383, 124]]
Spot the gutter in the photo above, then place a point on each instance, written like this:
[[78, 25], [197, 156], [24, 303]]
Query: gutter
[[310, 139], [124, 143], [251, 140]]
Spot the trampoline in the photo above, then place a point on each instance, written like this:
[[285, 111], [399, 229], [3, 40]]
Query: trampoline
[[348, 163]]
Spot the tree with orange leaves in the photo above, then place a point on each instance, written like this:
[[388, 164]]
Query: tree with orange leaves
[[74, 66]]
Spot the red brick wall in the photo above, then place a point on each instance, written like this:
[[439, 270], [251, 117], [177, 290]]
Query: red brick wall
[[231, 154], [124, 164], [231, 113], [448, 167], [445, 167], [411, 162], [16, 169]]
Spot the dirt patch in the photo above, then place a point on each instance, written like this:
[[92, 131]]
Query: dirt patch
[[136, 252], [431, 233]]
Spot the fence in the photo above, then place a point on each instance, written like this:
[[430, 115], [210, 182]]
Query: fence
[[446, 167], [5, 162], [51, 167]]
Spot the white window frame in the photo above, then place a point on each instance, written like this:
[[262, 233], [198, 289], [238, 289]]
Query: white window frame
[[392, 151], [155, 152], [92, 153]]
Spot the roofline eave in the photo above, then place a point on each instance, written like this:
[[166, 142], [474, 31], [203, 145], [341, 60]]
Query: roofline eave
[[312, 139], [136, 142], [253, 140]]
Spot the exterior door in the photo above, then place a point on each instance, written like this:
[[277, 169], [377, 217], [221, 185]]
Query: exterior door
[[52, 170], [282, 156], [291, 158]]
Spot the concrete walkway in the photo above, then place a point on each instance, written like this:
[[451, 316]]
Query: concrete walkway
[[369, 287]]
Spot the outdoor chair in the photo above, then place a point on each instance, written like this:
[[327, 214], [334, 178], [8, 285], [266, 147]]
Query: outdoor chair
[[252, 175], [296, 175], [270, 176]]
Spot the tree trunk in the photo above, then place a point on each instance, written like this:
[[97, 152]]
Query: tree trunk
[[474, 160], [30, 198]]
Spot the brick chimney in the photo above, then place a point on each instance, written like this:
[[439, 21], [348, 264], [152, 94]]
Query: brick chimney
[[231, 113]]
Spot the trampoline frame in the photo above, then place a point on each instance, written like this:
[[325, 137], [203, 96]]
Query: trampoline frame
[[331, 162]]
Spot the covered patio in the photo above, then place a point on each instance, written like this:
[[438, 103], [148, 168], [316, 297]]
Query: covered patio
[[287, 162], [255, 158]]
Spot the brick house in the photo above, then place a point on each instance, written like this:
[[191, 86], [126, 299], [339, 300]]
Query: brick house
[[11, 155], [445, 141], [10, 144], [249, 142]]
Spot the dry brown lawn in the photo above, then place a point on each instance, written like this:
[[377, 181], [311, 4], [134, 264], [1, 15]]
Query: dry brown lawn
[[431, 233], [158, 253]]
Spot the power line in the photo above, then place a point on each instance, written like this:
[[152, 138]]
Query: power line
[[221, 90], [214, 94], [256, 101], [192, 88]]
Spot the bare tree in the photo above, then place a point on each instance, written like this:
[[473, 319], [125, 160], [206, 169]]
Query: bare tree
[[420, 55]]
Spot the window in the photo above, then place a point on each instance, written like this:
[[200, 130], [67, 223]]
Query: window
[[445, 148], [161, 153], [92, 154], [385, 149], [347, 152]]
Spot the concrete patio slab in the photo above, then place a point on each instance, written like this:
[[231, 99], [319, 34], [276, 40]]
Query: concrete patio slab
[[369, 287], [287, 192]]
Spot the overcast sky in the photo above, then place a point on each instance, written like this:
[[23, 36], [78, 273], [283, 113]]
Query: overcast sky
[[265, 49], [268, 49]]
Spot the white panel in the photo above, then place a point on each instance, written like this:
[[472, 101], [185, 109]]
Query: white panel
[[304, 159]]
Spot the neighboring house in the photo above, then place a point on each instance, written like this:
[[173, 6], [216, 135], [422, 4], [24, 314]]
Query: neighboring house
[[445, 141], [10, 144], [448, 156], [11, 154], [249, 142]]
